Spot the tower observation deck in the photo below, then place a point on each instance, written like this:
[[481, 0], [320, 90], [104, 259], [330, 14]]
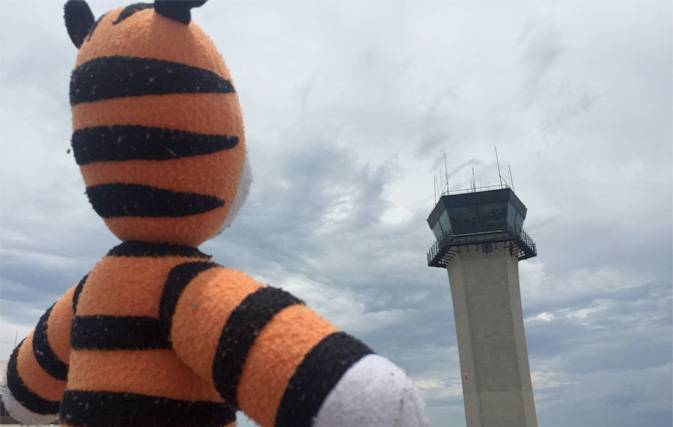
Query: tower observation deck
[[478, 218]]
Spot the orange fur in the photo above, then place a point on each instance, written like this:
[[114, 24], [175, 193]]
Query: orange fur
[[124, 286], [34, 377], [58, 326], [192, 230], [271, 361], [198, 174], [203, 311], [151, 372], [209, 113], [149, 35]]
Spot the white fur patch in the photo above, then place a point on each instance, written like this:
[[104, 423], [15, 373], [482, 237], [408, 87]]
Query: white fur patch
[[373, 393], [242, 191], [18, 411]]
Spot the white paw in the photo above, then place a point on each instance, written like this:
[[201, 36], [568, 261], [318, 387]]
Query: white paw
[[373, 393], [20, 412]]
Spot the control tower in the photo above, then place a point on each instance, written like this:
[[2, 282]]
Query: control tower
[[480, 241]]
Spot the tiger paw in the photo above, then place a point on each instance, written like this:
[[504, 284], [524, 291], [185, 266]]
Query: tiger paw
[[374, 393]]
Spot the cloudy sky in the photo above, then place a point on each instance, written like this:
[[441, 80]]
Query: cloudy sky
[[349, 109]]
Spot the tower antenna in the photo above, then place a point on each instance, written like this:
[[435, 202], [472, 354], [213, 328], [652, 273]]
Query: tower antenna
[[446, 172], [440, 186], [511, 180], [474, 184], [498, 163]]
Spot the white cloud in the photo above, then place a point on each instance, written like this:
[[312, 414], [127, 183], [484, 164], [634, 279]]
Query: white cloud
[[582, 315], [543, 380], [544, 317]]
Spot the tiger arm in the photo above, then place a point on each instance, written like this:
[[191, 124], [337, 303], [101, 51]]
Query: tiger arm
[[279, 362], [35, 377]]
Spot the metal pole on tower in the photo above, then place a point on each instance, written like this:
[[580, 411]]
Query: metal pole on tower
[[498, 162]]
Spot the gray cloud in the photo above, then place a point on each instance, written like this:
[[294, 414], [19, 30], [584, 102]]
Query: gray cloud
[[541, 48]]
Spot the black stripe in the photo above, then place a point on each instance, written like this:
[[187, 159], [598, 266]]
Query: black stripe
[[78, 290], [44, 355], [178, 279], [121, 76], [103, 332], [22, 394], [135, 142], [316, 376], [155, 250], [130, 10], [238, 336], [111, 409], [122, 200]]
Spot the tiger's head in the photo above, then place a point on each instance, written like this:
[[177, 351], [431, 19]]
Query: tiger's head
[[157, 126]]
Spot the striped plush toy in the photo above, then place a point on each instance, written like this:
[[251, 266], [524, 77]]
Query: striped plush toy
[[157, 334]]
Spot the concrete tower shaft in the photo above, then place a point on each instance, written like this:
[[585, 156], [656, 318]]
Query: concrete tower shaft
[[491, 341]]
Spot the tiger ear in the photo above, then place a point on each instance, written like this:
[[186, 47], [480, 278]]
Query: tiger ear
[[78, 20], [178, 10]]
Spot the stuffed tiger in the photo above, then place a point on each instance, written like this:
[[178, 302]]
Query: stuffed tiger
[[157, 334]]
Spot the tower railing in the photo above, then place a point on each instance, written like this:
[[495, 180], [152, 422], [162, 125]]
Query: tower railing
[[523, 246]]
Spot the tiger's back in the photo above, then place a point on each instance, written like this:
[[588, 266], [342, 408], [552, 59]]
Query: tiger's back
[[122, 366]]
